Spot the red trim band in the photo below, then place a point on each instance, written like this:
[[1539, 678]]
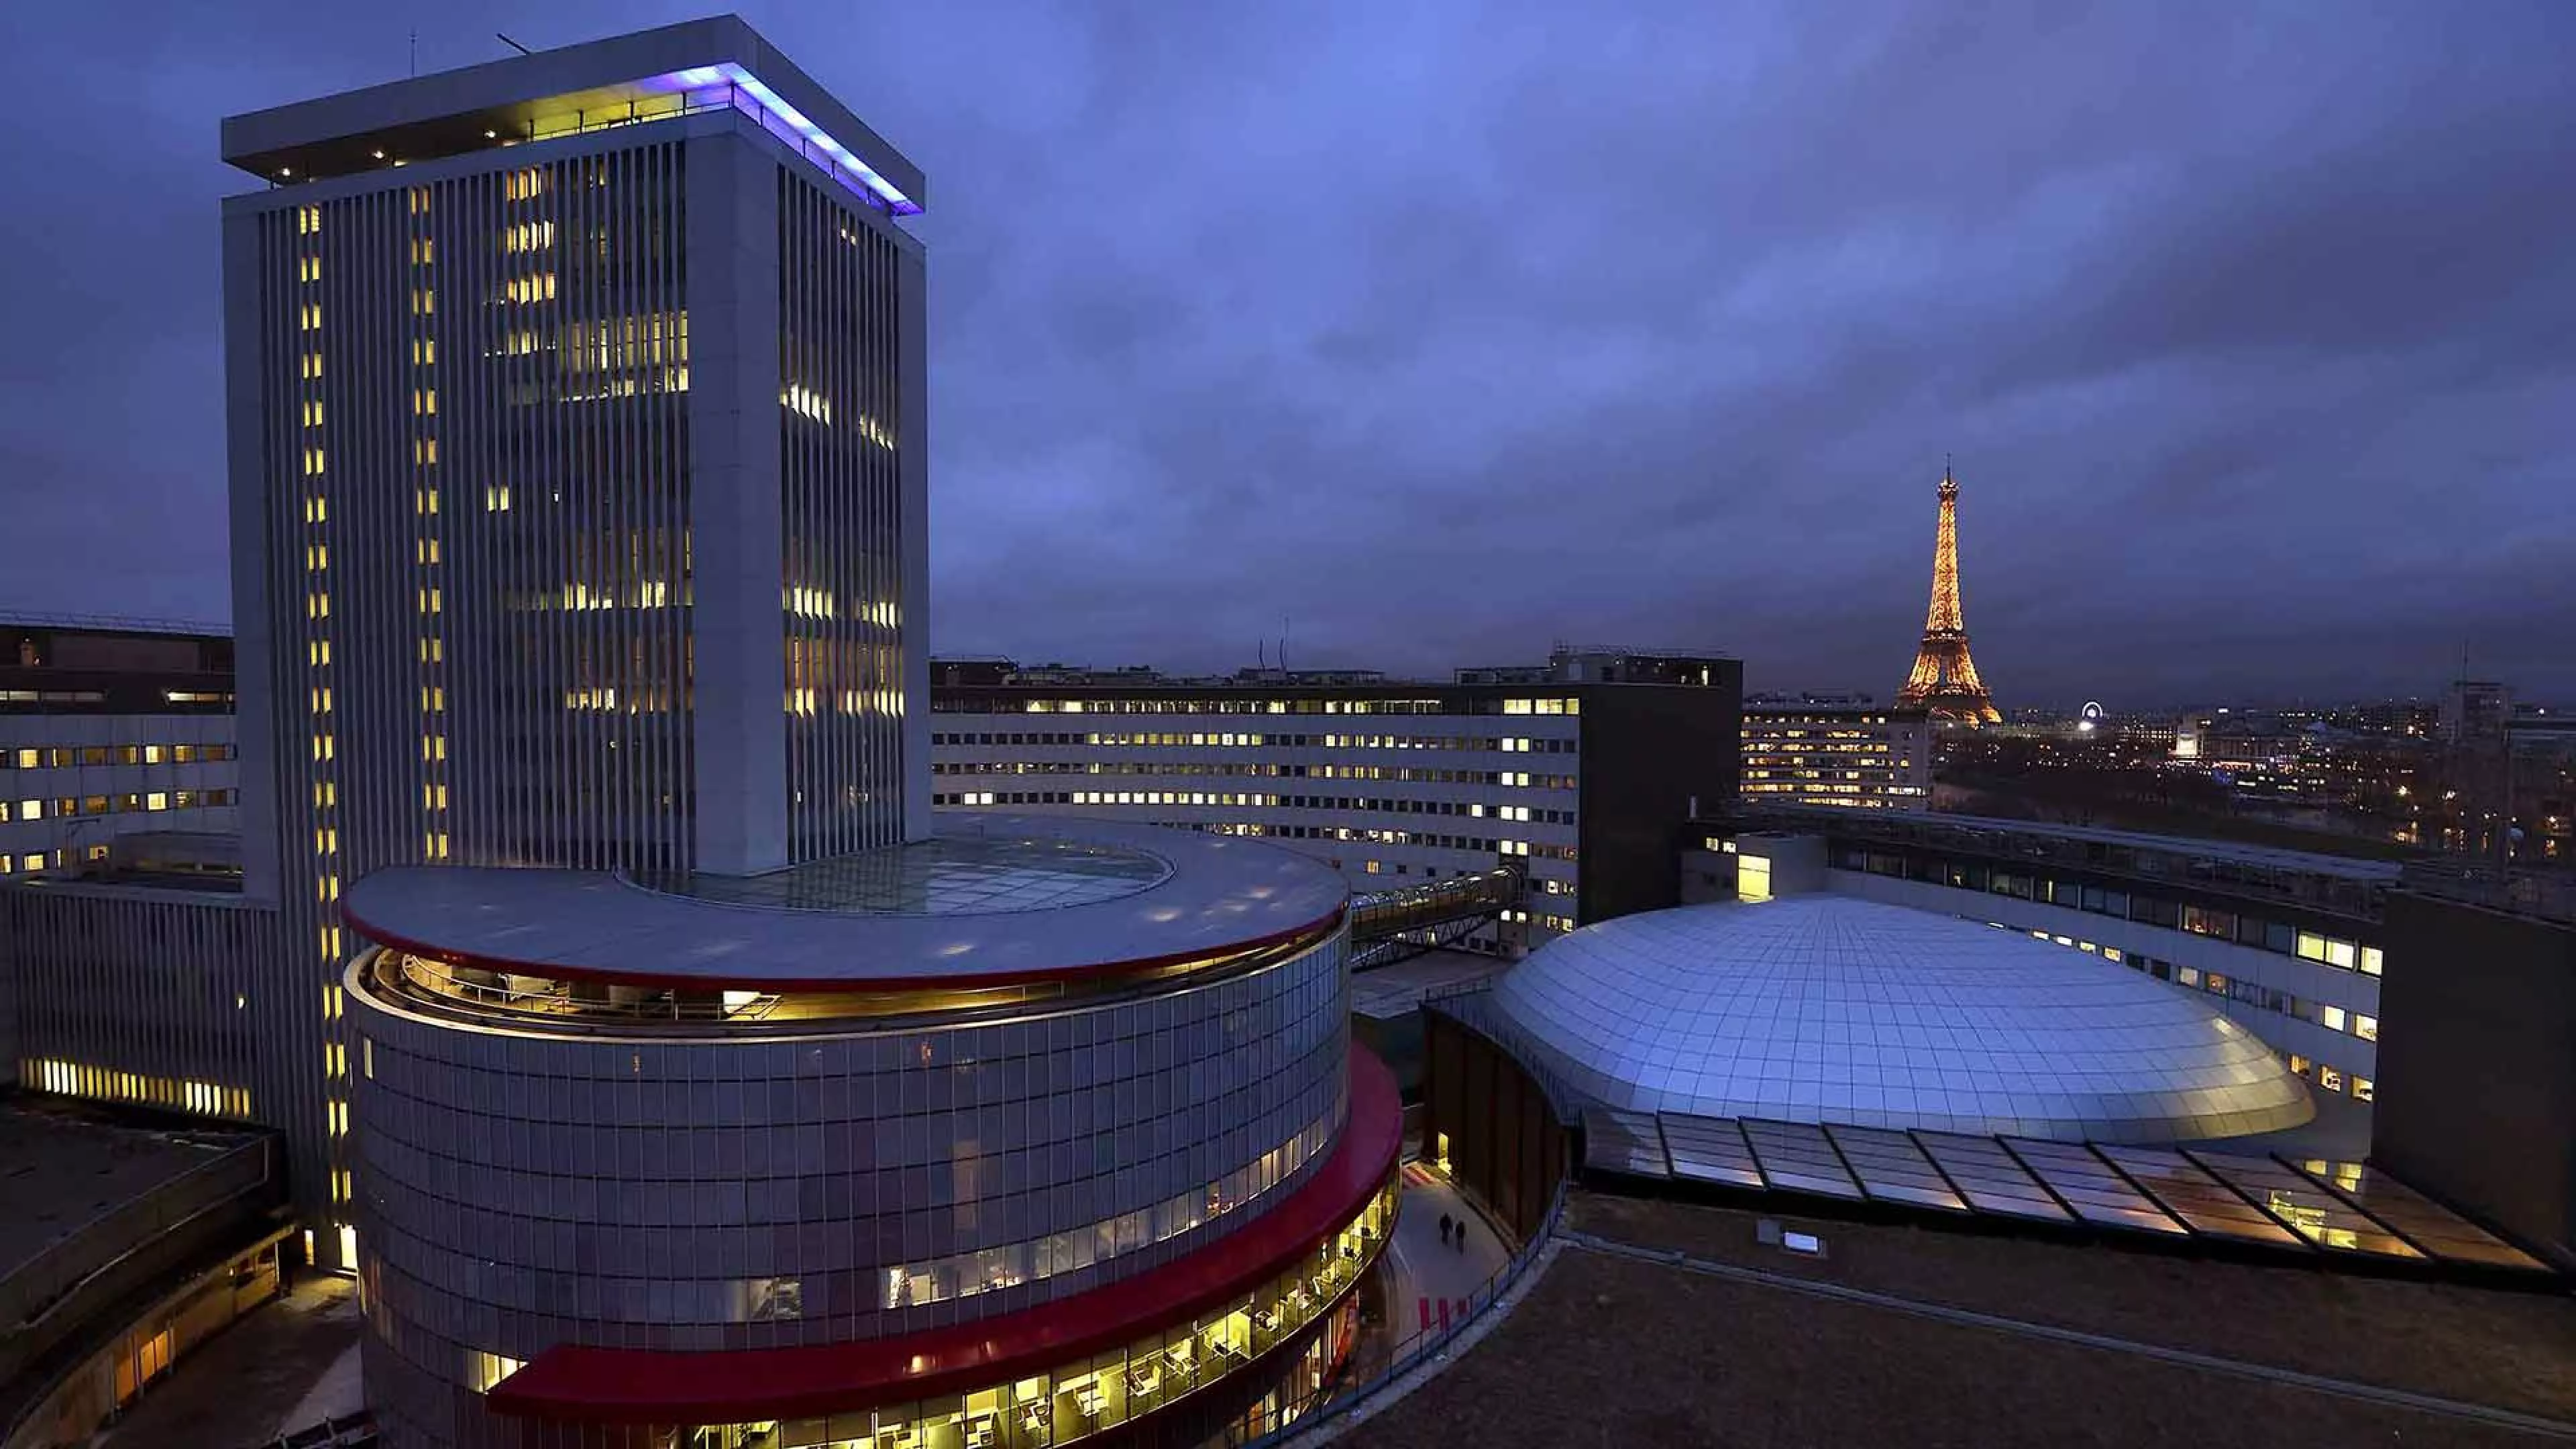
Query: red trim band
[[1323, 925], [647, 1386]]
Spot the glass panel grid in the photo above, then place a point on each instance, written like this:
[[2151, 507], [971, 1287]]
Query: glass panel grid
[[2203, 1203], [2090, 1187], [2304, 1208], [1797, 1157], [1989, 1178], [1615, 1141], [2434, 1228], [1710, 1149], [1892, 1169]]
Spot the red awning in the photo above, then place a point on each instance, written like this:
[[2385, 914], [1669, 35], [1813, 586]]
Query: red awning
[[649, 1386]]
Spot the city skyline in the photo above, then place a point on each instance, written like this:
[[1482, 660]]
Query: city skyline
[[2197, 361]]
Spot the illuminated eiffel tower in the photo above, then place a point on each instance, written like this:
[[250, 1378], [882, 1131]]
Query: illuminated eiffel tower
[[1945, 679]]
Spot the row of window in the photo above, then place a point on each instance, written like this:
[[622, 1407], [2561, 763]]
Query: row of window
[[2215, 922], [73, 1079], [56, 757], [2333, 1079], [1520, 848], [73, 806], [1840, 792], [1474, 810], [1174, 739], [1759, 718], [1125, 1384], [1510, 779], [969, 704], [961, 1275]]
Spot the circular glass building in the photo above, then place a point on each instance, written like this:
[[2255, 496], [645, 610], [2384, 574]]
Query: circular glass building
[[1007, 1138], [1824, 1008]]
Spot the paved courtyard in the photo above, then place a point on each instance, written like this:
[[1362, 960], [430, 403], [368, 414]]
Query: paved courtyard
[[288, 1364]]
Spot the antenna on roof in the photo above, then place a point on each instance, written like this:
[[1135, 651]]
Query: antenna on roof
[[514, 45], [415, 52]]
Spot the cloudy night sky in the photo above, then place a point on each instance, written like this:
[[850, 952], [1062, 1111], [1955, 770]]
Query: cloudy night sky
[[1445, 330]]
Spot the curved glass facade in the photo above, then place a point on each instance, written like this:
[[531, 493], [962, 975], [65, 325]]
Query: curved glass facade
[[530, 1182]]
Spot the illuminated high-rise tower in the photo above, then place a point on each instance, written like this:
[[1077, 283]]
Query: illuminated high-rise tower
[[1944, 680], [578, 493]]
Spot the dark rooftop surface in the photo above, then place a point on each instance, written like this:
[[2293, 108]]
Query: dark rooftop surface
[[1608, 1349], [995, 900], [63, 1164], [953, 875]]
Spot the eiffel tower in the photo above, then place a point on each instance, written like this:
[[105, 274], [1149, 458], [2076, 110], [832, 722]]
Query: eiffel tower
[[1945, 679]]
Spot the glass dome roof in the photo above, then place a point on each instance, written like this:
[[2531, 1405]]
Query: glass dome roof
[[1824, 1008]]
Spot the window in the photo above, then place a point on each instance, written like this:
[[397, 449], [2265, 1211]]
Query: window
[[2364, 1090], [1752, 878], [2370, 962], [2341, 954], [2202, 921], [2365, 1027], [2187, 975], [2330, 1017], [774, 1298], [2328, 1079]]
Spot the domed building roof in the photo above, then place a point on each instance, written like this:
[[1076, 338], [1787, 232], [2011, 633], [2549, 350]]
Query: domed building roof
[[1825, 1008]]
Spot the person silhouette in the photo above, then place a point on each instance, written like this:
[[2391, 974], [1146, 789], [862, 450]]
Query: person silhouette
[[1444, 1230]]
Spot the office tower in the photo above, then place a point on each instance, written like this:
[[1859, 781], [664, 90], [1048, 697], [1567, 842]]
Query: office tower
[[1837, 751], [1579, 773], [116, 739], [576, 426]]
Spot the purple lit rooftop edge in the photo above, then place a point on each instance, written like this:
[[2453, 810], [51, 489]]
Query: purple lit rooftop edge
[[728, 73]]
